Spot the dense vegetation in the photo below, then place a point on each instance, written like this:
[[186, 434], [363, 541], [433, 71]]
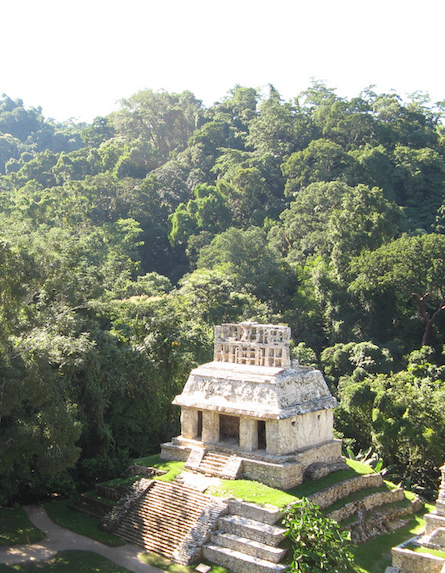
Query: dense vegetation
[[124, 241]]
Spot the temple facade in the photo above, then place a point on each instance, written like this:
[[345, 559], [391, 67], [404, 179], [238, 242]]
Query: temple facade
[[272, 419]]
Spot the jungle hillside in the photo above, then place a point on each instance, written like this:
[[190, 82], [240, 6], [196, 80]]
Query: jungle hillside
[[124, 241]]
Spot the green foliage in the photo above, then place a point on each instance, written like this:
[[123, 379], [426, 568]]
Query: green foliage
[[125, 241], [317, 543], [400, 416]]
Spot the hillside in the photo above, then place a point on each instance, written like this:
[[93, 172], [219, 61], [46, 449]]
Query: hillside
[[126, 240]]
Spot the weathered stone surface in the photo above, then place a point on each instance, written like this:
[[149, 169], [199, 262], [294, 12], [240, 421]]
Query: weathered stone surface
[[253, 343], [268, 514], [328, 496], [432, 521], [408, 561], [190, 550], [111, 521], [436, 540], [257, 391], [275, 416], [369, 502], [319, 470]]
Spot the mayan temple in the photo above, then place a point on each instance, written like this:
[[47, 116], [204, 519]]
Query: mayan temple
[[253, 413]]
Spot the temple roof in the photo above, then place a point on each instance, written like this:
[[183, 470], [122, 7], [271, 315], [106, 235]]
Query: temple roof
[[259, 391]]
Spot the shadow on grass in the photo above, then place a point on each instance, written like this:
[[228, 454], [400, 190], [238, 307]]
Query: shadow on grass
[[67, 562]]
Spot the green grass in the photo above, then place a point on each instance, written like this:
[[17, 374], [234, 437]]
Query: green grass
[[252, 491], [261, 494], [420, 549], [160, 562], [172, 468], [93, 495], [61, 514], [121, 481], [15, 527], [67, 562], [375, 555]]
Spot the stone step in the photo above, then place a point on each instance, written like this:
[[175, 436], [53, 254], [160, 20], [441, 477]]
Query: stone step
[[265, 514], [216, 463], [239, 562], [193, 502], [367, 503], [248, 546], [251, 529], [329, 495], [162, 517], [195, 458], [163, 546], [380, 519]]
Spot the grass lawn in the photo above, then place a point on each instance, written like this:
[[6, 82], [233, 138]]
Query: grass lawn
[[172, 468], [261, 494], [15, 527], [375, 555], [420, 549], [60, 513], [67, 562]]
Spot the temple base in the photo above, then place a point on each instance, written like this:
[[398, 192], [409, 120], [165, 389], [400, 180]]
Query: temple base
[[282, 472]]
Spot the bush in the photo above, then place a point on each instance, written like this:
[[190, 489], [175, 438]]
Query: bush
[[318, 544]]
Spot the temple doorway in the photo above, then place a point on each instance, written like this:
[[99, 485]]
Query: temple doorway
[[229, 429], [261, 435], [199, 434]]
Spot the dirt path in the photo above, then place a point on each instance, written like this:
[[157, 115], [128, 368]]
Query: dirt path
[[60, 539]]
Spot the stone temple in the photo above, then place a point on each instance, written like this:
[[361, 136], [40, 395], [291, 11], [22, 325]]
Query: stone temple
[[253, 413]]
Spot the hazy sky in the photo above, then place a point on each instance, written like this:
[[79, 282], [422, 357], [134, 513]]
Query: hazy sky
[[78, 58]]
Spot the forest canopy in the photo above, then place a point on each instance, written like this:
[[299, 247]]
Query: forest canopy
[[124, 241]]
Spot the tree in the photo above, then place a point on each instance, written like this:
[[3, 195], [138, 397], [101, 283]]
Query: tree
[[394, 277], [207, 212], [257, 268], [317, 543], [335, 221], [401, 417], [419, 183], [279, 129], [321, 160], [165, 120]]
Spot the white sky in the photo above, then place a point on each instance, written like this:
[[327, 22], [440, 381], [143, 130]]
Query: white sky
[[76, 59]]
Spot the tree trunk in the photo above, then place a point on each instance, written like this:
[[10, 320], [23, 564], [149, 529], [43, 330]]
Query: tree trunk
[[421, 305]]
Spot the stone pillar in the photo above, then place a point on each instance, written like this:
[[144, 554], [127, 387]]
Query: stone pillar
[[210, 427], [189, 423], [440, 503], [272, 438], [248, 434]]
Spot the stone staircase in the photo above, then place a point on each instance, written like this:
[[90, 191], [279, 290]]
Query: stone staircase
[[214, 463], [247, 540], [162, 517]]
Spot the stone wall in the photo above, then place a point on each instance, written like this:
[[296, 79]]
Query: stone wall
[[173, 452], [328, 496], [304, 431], [111, 521], [369, 502], [190, 550], [274, 475], [408, 561]]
